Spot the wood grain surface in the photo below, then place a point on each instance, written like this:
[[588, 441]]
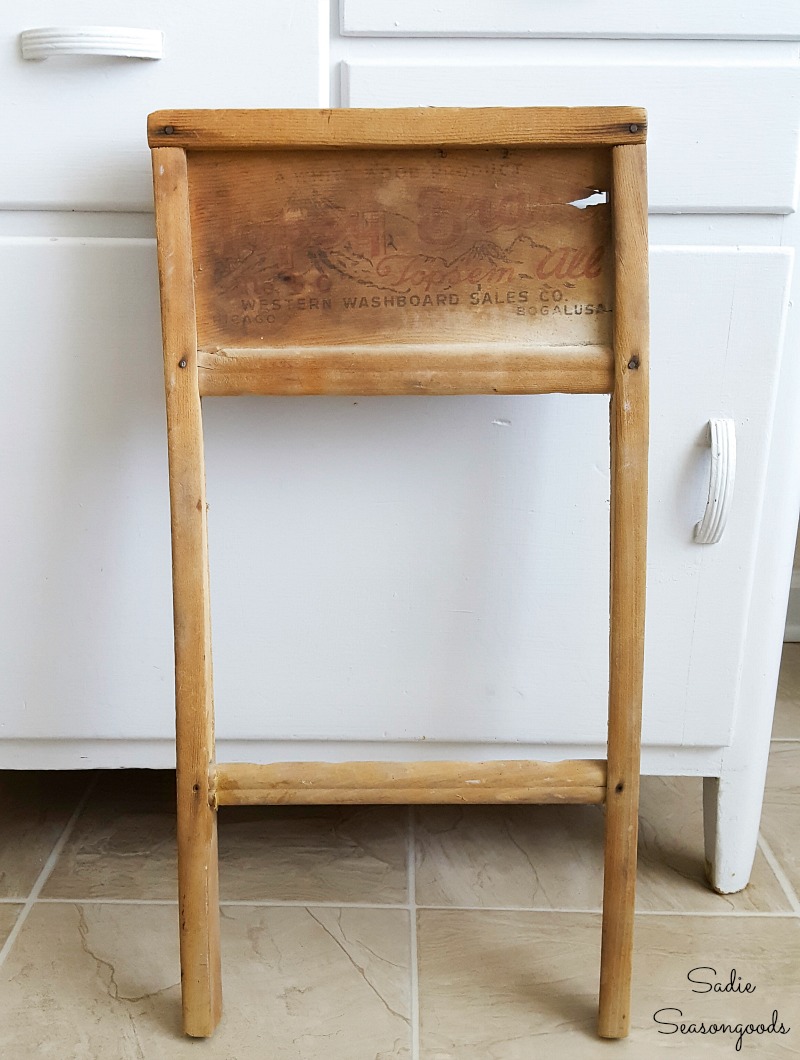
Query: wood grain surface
[[493, 368], [453, 267], [352, 247], [198, 884], [629, 448], [241, 784], [386, 127]]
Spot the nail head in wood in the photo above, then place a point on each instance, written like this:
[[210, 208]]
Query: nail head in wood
[[182, 362], [633, 363]]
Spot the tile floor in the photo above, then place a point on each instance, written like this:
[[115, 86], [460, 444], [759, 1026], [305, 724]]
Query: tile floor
[[385, 933]]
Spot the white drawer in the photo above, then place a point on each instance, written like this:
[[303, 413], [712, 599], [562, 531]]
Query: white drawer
[[721, 138], [770, 19], [400, 568], [76, 124]]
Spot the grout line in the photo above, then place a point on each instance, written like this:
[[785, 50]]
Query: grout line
[[267, 902], [411, 909], [597, 911], [47, 869], [785, 739], [276, 902], [317, 905], [412, 921], [106, 901], [506, 909], [775, 914], [777, 868]]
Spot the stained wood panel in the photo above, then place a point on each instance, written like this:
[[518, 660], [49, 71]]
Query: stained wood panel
[[433, 245]]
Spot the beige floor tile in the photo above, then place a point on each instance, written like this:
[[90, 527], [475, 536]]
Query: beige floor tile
[[123, 843], [8, 918], [518, 985], [786, 725], [780, 818], [299, 984], [527, 856], [35, 805], [314, 853], [123, 846], [552, 856]]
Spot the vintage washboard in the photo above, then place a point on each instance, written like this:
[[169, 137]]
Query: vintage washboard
[[429, 251]]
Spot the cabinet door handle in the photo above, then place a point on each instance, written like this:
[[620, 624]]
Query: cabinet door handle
[[92, 40], [722, 438]]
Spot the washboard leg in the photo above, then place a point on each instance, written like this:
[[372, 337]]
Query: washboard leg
[[198, 888], [629, 439]]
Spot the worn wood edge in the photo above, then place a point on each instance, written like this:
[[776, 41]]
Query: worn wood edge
[[261, 129], [629, 454], [409, 797], [576, 781], [197, 831], [406, 369]]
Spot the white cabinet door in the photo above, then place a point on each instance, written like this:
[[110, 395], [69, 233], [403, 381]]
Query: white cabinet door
[[76, 125], [386, 568], [86, 603], [722, 138], [717, 319]]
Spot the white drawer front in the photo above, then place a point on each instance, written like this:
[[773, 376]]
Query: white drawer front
[[721, 138], [77, 123], [409, 569], [580, 18]]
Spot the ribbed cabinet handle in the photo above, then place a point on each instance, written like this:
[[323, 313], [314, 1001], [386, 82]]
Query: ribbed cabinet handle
[[92, 40], [722, 436]]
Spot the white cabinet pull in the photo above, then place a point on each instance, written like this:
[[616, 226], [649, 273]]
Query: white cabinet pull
[[722, 437], [92, 40]]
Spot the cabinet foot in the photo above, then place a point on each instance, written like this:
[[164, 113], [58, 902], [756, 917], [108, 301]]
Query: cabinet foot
[[731, 817]]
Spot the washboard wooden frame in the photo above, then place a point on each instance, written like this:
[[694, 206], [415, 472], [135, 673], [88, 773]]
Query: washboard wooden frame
[[475, 177]]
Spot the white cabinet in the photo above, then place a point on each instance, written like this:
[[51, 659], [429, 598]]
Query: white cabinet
[[722, 137], [433, 587], [723, 140], [395, 577], [86, 644], [77, 123]]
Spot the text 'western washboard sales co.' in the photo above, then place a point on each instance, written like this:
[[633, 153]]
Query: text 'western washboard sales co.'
[[543, 303]]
